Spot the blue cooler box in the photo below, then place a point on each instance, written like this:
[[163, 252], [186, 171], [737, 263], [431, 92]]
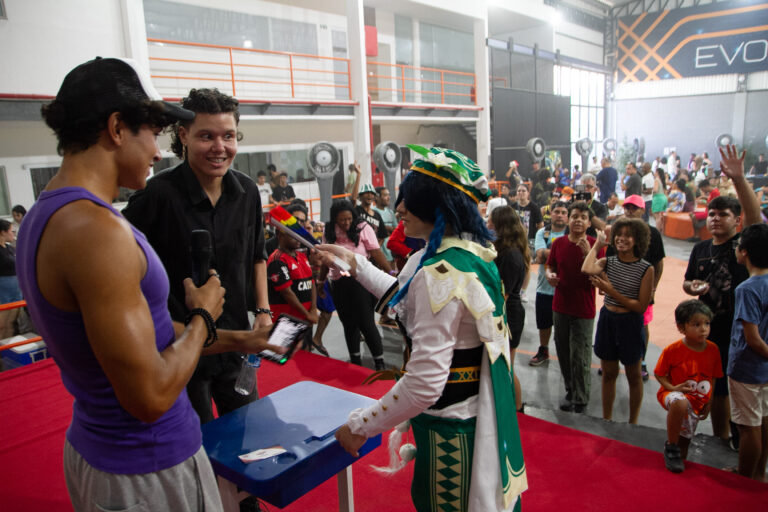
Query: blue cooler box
[[23, 354], [301, 418]]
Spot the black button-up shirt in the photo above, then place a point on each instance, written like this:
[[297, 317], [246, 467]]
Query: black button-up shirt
[[173, 205]]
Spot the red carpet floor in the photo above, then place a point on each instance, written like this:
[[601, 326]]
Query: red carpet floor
[[567, 469]]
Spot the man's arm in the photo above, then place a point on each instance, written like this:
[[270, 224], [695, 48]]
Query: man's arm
[[733, 166], [356, 186], [262, 295], [102, 281]]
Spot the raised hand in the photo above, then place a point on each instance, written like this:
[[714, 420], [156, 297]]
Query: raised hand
[[731, 164]]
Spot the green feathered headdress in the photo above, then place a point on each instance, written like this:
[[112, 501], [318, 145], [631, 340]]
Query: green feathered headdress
[[453, 168]]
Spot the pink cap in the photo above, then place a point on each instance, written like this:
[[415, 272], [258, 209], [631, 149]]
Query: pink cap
[[635, 200]]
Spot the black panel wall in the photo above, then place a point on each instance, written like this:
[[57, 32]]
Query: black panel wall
[[517, 116]]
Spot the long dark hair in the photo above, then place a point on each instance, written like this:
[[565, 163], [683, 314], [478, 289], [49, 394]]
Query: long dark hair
[[444, 206], [353, 233], [662, 175], [510, 233]]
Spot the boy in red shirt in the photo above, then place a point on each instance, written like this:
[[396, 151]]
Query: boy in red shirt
[[687, 370], [291, 284], [573, 306]]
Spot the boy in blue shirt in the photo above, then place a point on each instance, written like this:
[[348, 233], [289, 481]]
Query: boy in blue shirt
[[748, 356]]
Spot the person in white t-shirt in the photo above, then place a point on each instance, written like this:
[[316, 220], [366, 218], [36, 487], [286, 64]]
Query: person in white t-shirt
[[264, 189], [647, 194]]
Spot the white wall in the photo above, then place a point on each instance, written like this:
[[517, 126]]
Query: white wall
[[579, 42], [43, 39]]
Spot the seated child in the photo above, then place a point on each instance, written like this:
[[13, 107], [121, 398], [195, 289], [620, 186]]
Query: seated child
[[676, 197], [748, 356], [687, 370]]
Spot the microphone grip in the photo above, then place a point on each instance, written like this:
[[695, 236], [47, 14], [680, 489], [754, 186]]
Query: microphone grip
[[201, 256]]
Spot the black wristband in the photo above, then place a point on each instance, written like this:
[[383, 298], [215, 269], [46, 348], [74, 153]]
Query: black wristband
[[209, 324], [263, 311]]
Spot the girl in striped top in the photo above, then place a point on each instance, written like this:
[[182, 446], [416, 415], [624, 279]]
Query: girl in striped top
[[627, 281]]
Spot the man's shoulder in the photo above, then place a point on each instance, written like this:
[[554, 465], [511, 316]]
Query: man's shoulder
[[245, 181]]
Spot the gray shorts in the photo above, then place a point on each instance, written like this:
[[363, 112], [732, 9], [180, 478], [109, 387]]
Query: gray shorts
[[187, 486]]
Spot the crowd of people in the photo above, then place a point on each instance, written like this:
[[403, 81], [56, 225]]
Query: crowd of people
[[573, 263], [147, 352]]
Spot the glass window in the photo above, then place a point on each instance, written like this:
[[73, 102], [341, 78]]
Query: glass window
[[184, 22], [587, 92]]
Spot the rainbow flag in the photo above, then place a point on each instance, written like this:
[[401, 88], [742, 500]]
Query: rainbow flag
[[283, 220]]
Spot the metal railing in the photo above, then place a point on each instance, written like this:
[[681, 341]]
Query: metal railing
[[248, 73], [256, 74], [410, 84]]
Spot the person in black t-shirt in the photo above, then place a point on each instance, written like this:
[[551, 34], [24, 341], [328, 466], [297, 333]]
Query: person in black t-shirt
[[713, 272], [530, 213], [760, 167], [366, 212], [283, 192]]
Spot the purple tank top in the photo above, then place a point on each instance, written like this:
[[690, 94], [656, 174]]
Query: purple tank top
[[104, 433]]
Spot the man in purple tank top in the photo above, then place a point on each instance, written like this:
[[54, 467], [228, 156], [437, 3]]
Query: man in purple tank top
[[98, 294]]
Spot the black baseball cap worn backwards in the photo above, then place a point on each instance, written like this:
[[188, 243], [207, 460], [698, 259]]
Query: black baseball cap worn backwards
[[105, 85]]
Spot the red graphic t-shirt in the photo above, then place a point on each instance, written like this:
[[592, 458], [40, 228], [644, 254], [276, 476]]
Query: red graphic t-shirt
[[680, 364]]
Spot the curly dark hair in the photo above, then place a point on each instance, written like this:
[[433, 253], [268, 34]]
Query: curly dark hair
[[204, 101], [638, 230], [338, 206]]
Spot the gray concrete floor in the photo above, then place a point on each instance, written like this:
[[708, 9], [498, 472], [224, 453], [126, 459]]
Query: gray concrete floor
[[543, 390]]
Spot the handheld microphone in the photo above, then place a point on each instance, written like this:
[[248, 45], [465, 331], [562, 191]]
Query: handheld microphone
[[201, 255]]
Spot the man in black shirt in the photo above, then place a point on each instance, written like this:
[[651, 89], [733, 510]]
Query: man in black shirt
[[760, 167], [713, 272], [366, 212], [283, 192], [599, 210], [529, 213], [634, 183], [203, 192]]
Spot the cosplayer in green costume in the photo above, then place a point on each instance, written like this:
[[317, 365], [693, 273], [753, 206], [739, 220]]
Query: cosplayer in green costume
[[457, 387]]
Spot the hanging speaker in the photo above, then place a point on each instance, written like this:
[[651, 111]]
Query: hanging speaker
[[536, 148], [387, 156], [725, 139], [609, 146], [584, 147], [323, 161]]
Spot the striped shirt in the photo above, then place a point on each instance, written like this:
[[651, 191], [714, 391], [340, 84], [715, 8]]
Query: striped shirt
[[625, 277]]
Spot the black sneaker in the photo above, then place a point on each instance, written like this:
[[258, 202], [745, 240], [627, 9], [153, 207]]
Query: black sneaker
[[577, 408], [672, 458], [541, 357]]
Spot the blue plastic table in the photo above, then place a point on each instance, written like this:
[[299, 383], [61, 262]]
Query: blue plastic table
[[301, 418]]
